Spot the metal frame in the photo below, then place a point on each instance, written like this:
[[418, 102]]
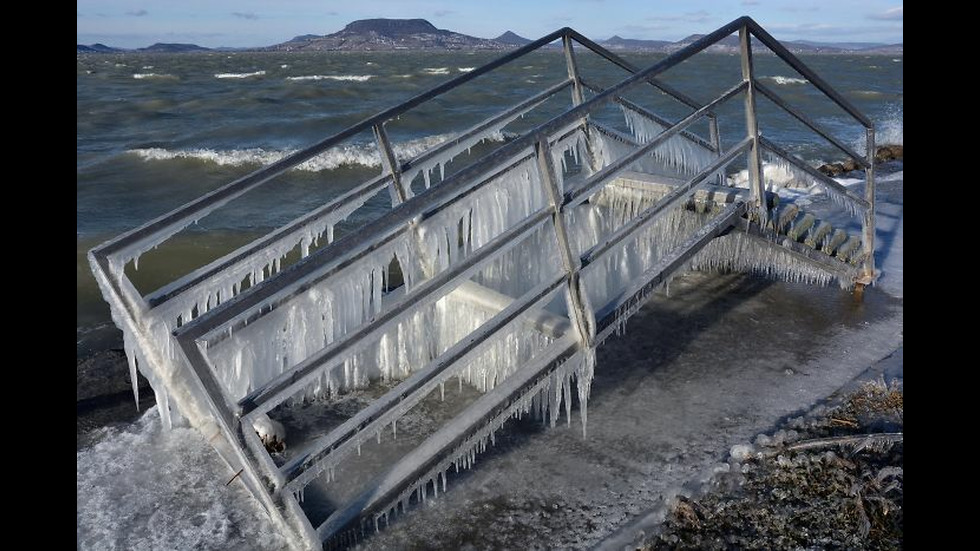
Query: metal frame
[[228, 419]]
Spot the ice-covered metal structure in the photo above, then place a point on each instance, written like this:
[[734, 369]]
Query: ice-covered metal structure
[[496, 271]]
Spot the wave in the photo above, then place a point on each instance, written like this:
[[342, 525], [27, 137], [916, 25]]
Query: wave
[[349, 78], [141, 76], [436, 70], [239, 75], [465, 69], [365, 154], [782, 81]]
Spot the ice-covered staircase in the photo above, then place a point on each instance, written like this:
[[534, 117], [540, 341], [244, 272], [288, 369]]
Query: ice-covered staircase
[[395, 328]]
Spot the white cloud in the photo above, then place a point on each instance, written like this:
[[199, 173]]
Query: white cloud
[[893, 14]]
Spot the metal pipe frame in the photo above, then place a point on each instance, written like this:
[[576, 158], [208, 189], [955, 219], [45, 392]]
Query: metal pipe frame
[[109, 259]]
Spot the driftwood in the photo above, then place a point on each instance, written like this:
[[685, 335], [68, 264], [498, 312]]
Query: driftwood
[[859, 441]]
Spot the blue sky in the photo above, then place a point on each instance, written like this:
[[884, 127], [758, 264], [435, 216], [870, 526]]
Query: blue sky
[[135, 23]]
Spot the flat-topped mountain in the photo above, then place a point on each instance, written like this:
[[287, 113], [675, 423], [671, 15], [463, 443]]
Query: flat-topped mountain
[[389, 34]]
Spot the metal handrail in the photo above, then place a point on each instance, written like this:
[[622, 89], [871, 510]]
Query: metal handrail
[[194, 336]]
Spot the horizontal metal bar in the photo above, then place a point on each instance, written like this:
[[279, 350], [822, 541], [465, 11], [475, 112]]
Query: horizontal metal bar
[[680, 194], [426, 293], [385, 488], [815, 79], [652, 116], [800, 116], [417, 386], [641, 286], [820, 177], [580, 194], [205, 273]]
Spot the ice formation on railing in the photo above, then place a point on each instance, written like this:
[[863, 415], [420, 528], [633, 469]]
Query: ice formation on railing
[[544, 400], [609, 274], [571, 145], [678, 152], [257, 267], [445, 153], [468, 224], [288, 334], [738, 252], [453, 319]]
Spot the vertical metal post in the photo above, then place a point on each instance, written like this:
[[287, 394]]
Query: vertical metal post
[[756, 183], [581, 311], [578, 97], [398, 192], [868, 224], [715, 136]]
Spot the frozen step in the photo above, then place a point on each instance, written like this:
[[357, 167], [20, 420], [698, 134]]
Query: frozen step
[[658, 186], [817, 234], [849, 250], [799, 228], [786, 216], [834, 240]]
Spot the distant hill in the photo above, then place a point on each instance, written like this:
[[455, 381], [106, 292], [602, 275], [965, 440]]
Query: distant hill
[[96, 49], [389, 34], [173, 48], [632, 44], [512, 38]]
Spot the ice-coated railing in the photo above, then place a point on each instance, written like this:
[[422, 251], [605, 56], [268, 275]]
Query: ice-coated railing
[[512, 269]]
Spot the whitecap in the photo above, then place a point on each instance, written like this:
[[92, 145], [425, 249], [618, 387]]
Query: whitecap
[[465, 69], [364, 154], [436, 70], [239, 75], [141, 76], [346, 78], [782, 81]]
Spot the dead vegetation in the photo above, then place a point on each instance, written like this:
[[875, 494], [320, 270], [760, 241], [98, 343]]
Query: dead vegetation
[[830, 480]]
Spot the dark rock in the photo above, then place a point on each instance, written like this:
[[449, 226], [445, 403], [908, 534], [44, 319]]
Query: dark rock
[[888, 153], [883, 153]]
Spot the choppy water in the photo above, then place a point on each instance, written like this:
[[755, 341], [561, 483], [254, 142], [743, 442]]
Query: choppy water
[[157, 130]]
